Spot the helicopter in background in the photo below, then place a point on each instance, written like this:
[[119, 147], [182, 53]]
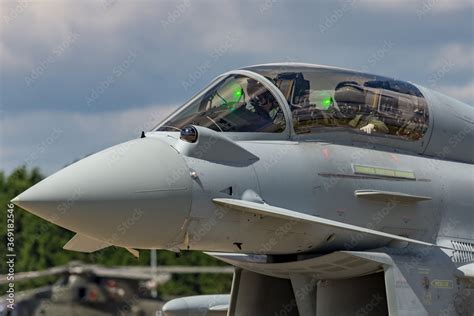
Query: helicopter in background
[[84, 289]]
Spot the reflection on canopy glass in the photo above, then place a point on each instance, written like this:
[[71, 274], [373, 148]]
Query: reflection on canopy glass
[[324, 99], [235, 104]]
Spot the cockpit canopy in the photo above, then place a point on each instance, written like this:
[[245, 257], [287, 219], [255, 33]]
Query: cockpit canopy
[[327, 99], [320, 99]]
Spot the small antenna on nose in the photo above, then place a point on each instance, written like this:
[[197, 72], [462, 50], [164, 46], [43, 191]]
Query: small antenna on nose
[[142, 135]]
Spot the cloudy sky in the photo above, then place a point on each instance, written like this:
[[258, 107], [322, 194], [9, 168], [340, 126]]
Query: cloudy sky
[[77, 77]]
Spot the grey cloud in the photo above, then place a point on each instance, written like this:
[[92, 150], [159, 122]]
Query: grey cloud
[[417, 6], [462, 56]]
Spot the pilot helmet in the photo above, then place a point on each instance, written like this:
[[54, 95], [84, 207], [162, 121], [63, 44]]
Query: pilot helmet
[[350, 97]]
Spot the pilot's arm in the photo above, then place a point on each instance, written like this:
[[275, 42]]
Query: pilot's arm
[[375, 125], [369, 124]]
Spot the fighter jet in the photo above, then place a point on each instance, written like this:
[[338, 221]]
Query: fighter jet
[[332, 192]]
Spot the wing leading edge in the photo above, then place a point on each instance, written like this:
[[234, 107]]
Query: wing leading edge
[[277, 212]]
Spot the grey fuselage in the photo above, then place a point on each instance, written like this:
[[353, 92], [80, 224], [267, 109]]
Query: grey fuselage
[[318, 179]]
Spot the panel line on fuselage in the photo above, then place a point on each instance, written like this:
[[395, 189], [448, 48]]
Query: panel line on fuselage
[[359, 176]]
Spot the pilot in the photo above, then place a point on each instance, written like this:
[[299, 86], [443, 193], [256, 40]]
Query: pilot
[[261, 101], [268, 104], [351, 99]]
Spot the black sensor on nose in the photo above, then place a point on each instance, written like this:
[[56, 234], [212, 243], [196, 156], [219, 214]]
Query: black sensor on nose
[[189, 134]]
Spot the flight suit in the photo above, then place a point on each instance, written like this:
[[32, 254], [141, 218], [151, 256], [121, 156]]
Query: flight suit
[[361, 120]]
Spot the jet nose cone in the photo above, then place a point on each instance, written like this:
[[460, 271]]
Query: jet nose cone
[[136, 194], [16, 200]]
